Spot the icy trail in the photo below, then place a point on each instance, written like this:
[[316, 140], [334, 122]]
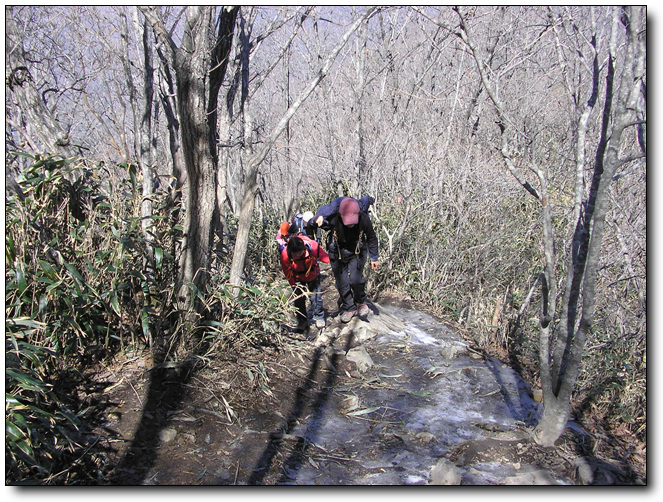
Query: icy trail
[[412, 394], [392, 399]]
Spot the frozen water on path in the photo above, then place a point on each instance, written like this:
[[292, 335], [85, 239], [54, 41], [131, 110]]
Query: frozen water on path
[[424, 395]]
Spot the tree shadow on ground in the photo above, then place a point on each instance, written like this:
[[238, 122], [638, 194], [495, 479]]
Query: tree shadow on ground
[[167, 389], [305, 398], [520, 410], [587, 445]]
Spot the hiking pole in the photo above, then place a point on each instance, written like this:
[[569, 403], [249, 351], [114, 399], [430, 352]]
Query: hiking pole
[[318, 289]]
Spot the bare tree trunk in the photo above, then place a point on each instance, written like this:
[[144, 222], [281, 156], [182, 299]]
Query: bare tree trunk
[[558, 376], [177, 182], [566, 325], [53, 138], [192, 67], [219, 66], [360, 161], [142, 117], [146, 154], [592, 224], [293, 191], [199, 65]]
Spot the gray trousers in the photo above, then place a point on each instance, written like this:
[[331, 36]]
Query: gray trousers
[[350, 282]]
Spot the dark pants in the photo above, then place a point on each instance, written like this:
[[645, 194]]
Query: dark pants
[[350, 281], [302, 290]]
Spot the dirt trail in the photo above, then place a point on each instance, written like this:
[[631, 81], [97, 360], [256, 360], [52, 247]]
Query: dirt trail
[[393, 399]]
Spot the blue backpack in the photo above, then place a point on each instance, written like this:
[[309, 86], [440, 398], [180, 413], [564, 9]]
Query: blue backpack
[[297, 225]]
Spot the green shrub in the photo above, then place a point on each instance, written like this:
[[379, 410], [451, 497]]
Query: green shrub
[[250, 315], [41, 433], [76, 290]]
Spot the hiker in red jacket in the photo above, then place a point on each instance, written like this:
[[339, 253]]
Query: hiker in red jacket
[[300, 263]]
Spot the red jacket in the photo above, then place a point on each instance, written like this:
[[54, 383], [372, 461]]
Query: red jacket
[[306, 269]]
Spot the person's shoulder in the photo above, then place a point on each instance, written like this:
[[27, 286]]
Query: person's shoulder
[[307, 240], [325, 210], [365, 219]]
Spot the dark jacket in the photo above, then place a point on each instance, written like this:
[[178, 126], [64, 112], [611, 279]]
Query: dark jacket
[[343, 241]]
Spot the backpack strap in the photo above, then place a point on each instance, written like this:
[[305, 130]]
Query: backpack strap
[[357, 249]]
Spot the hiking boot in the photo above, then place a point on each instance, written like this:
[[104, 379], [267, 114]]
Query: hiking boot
[[320, 323], [348, 315], [363, 310]]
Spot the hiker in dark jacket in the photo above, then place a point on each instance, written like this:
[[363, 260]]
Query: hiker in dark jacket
[[351, 240]]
